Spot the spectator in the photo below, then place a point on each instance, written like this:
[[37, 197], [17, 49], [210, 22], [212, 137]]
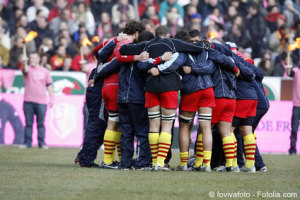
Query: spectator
[[59, 6], [22, 21], [272, 18], [195, 22], [21, 32], [4, 39], [266, 65], [81, 30], [46, 47], [104, 26], [280, 39], [229, 17], [88, 56], [291, 12], [281, 65], [37, 5], [172, 20], [4, 52], [33, 25], [64, 17], [67, 64], [122, 10], [100, 6], [45, 61], [255, 25], [237, 33], [143, 5], [195, 5], [37, 81], [165, 6], [57, 60], [64, 41], [84, 15], [151, 14], [209, 6], [16, 52], [43, 31], [214, 18]]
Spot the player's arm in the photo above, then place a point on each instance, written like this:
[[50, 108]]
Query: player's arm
[[146, 65], [177, 60], [132, 49], [185, 47], [202, 68], [246, 73], [107, 69]]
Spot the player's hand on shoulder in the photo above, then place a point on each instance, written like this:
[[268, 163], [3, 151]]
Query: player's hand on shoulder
[[187, 69], [153, 71], [91, 83], [144, 56], [167, 56]]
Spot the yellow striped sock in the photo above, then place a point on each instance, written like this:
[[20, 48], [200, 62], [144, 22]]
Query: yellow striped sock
[[234, 161], [153, 141], [113, 155], [117, 140], [184, 158], [199, 151], [109, 146], [206, 158], [249, 148], [164, 145], [229, 149]]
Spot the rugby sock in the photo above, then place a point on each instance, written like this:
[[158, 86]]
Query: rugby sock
[[183, 158], [206, 158], [229, 149], [249, 148], [109, 146], [153, 141], [117, 140], [234, 161], [199, 151], [113, 155], [164, 145]]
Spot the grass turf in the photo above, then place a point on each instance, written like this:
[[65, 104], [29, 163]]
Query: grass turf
[[51, 174]]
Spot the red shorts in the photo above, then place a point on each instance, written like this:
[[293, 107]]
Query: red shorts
[[224, 110], [245, 108], [110, 95], [167, 99], [201, 98]]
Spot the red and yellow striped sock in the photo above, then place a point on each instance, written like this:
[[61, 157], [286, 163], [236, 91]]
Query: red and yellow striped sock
[[164, 145], [206, 158], [229, 149], [117, 140], [249, 148], [184, 156], [109, 146], [234, 161], [153, 141], [199, 151]]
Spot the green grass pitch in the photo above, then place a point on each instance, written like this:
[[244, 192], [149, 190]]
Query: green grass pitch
[[51, 174]]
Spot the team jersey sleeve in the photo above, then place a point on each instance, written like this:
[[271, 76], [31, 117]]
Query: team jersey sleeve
[[107, 69], [148, 64], [132, 49], [106, 51], [221, 59], [202, 68], [177, 60]]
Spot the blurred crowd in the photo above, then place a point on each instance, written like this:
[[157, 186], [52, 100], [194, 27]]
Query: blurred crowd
[[262, 29]]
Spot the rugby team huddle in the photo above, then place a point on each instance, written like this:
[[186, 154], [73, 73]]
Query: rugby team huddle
[[140, 75]]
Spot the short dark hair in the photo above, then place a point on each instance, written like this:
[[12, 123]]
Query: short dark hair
[[133, 26], [162, 31], [145, 36], [144, 22], [194, 33], [183, 35]]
